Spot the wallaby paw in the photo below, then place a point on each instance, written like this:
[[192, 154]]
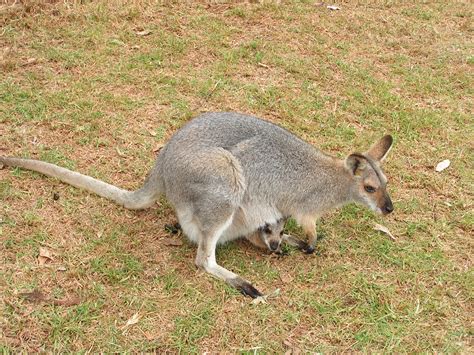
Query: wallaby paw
[[173, 228], [245, 287], [303, 246], [249, 290], [282, 253], [299, 244]]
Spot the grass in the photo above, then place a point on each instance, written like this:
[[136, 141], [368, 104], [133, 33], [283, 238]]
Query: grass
[[81, 89]]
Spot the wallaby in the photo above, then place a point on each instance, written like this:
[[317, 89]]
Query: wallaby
[[226, 174], [271, 237]]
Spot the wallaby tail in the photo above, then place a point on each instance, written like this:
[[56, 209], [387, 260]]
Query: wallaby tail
[[141, 198]]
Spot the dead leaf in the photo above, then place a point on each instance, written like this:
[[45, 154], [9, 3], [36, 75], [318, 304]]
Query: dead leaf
[[442, 165], [61, 268], [152, 132], [333, 7], [135, 47], [36, 296], [173, 242], [379, 227], [44, 256], [143, 33], [30, 61], [67, 302], [133, 320], [264, 298]]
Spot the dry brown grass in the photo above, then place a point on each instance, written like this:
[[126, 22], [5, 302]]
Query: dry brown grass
[[81, 89]]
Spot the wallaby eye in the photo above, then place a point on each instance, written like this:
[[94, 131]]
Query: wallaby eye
[[281, 233], [369, 189], [267, 230]]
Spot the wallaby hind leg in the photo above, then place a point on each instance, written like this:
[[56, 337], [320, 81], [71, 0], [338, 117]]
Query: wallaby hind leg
[[207, 239], [206, 259], [205, 201], [204, 225]]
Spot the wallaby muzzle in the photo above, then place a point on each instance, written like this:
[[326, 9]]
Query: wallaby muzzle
[[274, 245], [388, 206]]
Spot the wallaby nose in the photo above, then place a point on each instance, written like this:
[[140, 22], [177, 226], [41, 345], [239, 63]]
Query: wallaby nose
[[388, 208], [274, 245]]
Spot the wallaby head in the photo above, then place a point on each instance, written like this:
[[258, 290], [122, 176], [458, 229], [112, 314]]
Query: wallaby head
[[272, 234], [369, 184]]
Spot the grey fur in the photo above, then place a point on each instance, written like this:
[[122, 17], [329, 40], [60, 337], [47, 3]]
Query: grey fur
[[226, 174]]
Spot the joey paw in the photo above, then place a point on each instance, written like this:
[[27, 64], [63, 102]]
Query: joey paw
[[173, 228], [282, 253]]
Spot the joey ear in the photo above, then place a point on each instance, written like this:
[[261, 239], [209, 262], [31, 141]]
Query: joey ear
[[379, 150], [355, 163]]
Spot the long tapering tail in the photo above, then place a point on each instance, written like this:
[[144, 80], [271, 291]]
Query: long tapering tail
[[141, 198]]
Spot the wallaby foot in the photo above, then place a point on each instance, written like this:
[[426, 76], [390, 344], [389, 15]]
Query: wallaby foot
[[244, 287], [281, 253], [298, 243], [229, 277], [173, 228]]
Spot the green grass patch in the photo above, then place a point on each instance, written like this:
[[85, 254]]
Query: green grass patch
[[82, 89]]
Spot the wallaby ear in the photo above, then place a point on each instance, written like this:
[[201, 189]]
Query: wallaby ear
[[379, 150], [355, 163]]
